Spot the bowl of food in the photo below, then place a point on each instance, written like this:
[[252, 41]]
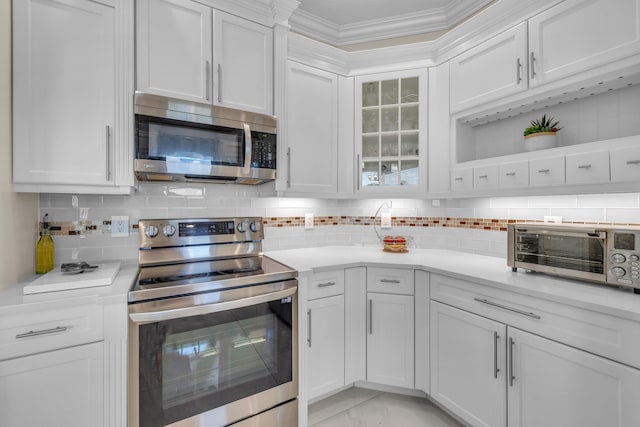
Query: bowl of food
[[395, 244]]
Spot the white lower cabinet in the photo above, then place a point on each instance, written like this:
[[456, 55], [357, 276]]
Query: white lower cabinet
[[57, 388], [492, 374], [325, 338], [325, 341], [390, 326]]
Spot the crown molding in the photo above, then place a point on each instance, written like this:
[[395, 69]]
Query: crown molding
[[265, 12], [379, 29]]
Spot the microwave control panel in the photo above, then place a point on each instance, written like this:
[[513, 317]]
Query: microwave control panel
[[623, 252]]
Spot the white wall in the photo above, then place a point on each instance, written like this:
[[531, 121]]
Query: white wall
[[18, 212]]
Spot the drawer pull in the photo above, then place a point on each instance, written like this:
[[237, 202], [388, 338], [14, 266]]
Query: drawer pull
[[510, 174], [584, 166], [633, 162], [483, 176], [42, 332], [504, 307], [459, 178], [543, 171], [324, 285], [394, 281]]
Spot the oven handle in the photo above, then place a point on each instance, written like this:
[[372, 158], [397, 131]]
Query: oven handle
[[591, 233], [161, 315]]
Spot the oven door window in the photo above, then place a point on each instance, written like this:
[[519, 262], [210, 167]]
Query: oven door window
[[562, 251], [194, 364], [177, 141]]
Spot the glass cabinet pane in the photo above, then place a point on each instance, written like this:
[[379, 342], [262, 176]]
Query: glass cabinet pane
[[391, 128]]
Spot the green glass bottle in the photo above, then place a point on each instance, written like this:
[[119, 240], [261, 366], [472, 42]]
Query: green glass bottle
[[44, 248]]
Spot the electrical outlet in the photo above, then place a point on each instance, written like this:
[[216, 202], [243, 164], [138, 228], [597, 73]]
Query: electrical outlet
[[552, 219], [385, 220], [308, 220], [119, 226]]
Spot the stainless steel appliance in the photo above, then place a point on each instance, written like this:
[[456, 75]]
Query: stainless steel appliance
[[609, 255], [212, 328], [178, 140]]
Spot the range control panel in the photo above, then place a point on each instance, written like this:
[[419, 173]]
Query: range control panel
[[156, 233]]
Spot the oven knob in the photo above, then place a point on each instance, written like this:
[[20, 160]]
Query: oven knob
[[255, 226], [168, 230], [151, 231], [242, 227], [634, 257], [618, 258], [618, 271]]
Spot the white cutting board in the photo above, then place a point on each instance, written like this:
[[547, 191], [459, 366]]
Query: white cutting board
[[56, 280]]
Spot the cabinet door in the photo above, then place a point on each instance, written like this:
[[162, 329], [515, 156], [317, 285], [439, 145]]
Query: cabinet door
[[312, 130], [243, 54], [546, 171], [56, 388], [578, 35], [461, 179], [173, 49], [625, 164], [494, 69], [391, 132], [554, 385], [467, 365], [325, 341], [588, 168], [390, 340], [486, 177], [63, 99], [514, 174]]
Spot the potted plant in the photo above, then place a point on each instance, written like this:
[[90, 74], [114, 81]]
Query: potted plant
[[541, 134]]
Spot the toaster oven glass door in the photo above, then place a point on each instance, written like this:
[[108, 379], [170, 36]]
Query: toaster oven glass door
[[578, 252]]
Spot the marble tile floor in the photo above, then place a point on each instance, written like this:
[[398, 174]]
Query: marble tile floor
[[357, 407]]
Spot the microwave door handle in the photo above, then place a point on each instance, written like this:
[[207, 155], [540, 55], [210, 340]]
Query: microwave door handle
[[590, 233], [244, 301], [248, 148]]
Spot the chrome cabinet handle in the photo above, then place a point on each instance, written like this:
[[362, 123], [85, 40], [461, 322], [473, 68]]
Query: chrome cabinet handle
[[510, 174], [324, 285], [219, 82], [389, 281], [207, 80], [483, 176], [248, 149], [504, 307], [531, 64], [518, 70], [309, 328], [108, 138], [633, 162], [459, 178], [584, 166], [55, 330], [288, 167], [495, 354], [543, 171], [370, 317], [358, 176], [512, 377]]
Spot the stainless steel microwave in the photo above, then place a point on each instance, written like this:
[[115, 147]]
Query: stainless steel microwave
[[608, 255], [177, 140]]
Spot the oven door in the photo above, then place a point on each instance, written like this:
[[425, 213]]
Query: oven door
[[214, 358], [575, 253]]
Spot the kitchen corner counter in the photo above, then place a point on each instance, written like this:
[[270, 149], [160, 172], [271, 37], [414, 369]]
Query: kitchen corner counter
[[486, 270]]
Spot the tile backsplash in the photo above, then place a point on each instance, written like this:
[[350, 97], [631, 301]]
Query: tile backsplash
[[81, 223]]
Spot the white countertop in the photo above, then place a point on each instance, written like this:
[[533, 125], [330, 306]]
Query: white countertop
[[486, 270]]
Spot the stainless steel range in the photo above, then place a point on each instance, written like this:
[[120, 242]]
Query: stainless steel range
[[212, 327]]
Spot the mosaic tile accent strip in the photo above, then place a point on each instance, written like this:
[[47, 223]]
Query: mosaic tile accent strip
[[86, 227]]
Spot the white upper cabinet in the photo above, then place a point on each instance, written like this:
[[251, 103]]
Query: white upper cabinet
[[391, 132], [578, 35], [65, 126], [243, 58], [311, 130], [189, 51], [173, 49], [494, 69]]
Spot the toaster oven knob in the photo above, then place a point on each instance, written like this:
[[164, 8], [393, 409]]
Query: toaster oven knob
[[255, 226], [168, 230], [151, 231], [618, 258], [618, 271], [634, 257], [242, 227]]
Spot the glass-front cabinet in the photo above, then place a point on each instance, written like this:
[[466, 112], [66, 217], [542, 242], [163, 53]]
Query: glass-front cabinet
[[391, 132]]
